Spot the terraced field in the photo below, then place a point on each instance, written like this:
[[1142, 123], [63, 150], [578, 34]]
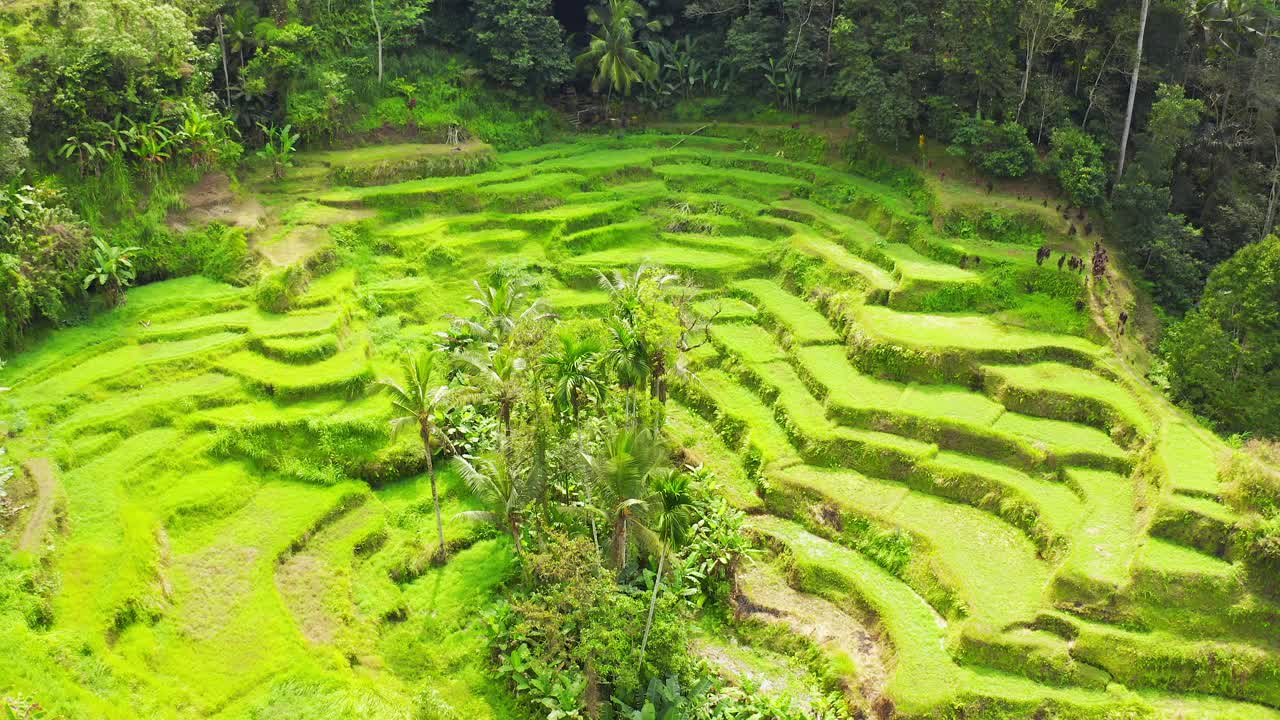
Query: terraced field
[[1028, 531]]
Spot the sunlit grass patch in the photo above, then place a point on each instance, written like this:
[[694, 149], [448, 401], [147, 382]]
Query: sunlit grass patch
[[1191, 463], [945, 401], [1104, 545], [914, 266], [1061, 437], [876, 277], [151, 403], [992, 565], [747, 341], [969, 332], [762, 430], [346, 371], [1070, 393], [802, 320]]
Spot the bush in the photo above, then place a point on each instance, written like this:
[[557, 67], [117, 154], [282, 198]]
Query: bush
[[44, 256], [1076, 160], [523, 43], [987, 223], [277, 291], [570, 622], [998, 150], [217, 251], [1224, 356]]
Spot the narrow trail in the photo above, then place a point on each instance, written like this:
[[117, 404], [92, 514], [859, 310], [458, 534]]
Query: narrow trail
[[769, 598], [41, 471]]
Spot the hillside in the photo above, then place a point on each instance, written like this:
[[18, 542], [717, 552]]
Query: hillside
[[934, 443]]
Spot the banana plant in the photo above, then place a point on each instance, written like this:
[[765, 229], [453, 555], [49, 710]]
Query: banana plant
[[112, 270], [784, 82], [282, 144], [89, 154]]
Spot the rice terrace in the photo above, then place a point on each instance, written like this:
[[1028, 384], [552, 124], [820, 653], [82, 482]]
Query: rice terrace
[[641, 417]]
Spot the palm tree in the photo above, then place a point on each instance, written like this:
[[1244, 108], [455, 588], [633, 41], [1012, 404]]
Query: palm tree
[[573, 371], [498, 377], [574, 375], [620, 478], [501, 311], [240, 26], [626, 294], [418, 402], [670, 520], [628, 297], [112, 270], [628, 358], [504, 491], [613, 51]]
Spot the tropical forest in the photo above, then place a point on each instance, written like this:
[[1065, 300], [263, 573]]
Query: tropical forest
[[639, 360]]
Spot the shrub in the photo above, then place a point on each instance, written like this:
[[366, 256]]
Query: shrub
[[570, 622], [1076, 160], [277, 291], [44, 257], [987, 223], [523, 43], [1224, 357], [217, 251], [998, 150]]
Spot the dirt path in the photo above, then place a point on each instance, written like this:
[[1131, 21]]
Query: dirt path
[[212, 199], [769, 598], [40, 470]]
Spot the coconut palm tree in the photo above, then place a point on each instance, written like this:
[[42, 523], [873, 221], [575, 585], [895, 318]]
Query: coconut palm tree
[[504, 491], [620, 477], [497, 377], [613, 52], [628, 358], [573, 373], [670, 520], [419, 402], [1133, 89], [504, 308], [240, 25]]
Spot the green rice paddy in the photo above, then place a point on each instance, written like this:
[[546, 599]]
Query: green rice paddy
[[238, 535]]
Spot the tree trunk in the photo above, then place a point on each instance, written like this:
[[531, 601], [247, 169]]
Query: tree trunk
[[1274, 196], [653, 603], [226, 75], [1085, 122], [620, 544], [435, 492], [1026, 74], [1133, 90], [586, 483], [373, 10], [515, 536]]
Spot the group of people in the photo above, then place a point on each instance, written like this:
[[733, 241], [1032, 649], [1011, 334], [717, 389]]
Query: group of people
[[1076, 263]]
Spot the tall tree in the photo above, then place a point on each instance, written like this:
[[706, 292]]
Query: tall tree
[[613, 52], [15, 123], [523, 43], [670, 521], [1043, 24], [1224, 357], [503, 489], [620, 477], [573, 372], [498, 377], [377, 26], [418, 402], [1133, 88]]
